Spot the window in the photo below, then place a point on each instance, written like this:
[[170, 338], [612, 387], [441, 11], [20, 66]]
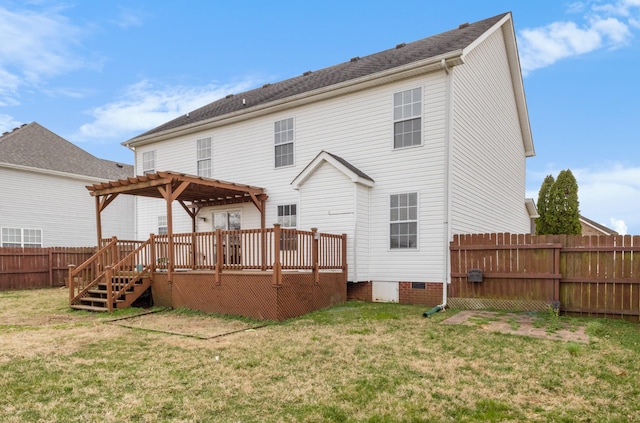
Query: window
[[407, 120], [283, 136], [287, 218], [403, 218], [148, 162], [204, 157], [163, 228], [21, 238]]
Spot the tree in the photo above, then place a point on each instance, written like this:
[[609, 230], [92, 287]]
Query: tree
[[543, 222], [558, 205]]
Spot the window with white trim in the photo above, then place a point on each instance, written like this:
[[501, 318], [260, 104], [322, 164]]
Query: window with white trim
[[148, 162], [21, 238], [163, 227], [287, 218], [407, 118], [403, 217], [204, 157], [283, 141]]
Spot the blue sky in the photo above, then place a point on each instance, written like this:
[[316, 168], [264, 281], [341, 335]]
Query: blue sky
[[100, 72]]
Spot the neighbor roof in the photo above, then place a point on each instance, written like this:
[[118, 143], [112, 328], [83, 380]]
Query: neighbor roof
[[437, 45], [596, 225], [32, 145]]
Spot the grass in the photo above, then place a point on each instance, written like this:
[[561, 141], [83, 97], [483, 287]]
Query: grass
[[358, 362]]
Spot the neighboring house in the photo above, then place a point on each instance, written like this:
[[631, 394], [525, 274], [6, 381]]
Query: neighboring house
[[399, 150], [44, 201], [589, 227]]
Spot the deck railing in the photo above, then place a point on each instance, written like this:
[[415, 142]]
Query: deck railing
[[249, 249]]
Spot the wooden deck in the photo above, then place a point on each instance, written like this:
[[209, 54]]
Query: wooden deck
[[272, 274]]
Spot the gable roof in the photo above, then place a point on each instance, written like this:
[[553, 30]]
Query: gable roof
[[597, 226], [34, 146], [424, 53], [349, 170]]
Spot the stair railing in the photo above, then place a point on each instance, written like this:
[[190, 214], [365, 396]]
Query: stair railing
[[125, 273], [89, 274]]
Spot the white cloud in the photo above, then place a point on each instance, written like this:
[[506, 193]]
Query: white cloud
[[606, 191], [7, 123], [130, 18], [144, 106], [605, 25], [619, 226], [35, 45]]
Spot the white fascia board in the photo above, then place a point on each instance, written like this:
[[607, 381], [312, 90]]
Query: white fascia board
[[52, 172], [395, 74], [531, 207]]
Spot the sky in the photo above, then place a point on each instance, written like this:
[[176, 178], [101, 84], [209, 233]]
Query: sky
[[100, 72]]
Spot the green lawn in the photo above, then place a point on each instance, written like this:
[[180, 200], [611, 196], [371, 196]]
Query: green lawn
[[357, 362]]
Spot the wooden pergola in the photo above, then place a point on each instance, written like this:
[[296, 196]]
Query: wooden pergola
[[191, 192]]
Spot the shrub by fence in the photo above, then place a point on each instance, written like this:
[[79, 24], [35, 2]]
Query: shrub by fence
[[26, 268], [588, 275]]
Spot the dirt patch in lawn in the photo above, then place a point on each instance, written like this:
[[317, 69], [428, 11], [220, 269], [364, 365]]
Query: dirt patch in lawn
[[519, 324], [201, 327]]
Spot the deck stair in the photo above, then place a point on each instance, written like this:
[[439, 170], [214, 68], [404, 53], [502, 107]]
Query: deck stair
[[97, 298], [113, 278]]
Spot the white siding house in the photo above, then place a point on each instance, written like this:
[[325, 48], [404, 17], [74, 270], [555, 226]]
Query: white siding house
[[398, 150], [44, 201]]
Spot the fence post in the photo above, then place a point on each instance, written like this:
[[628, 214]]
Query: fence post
[[263, 248], [556, 271], [277, 266], [50, 268], [314, 255], [109, 277], [71, 287], [219, 256]]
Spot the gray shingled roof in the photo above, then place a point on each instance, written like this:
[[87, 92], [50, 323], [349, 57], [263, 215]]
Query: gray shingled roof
[[426, 48], [32, 145], [350, 167]]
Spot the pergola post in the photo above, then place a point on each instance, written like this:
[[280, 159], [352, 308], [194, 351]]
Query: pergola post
[[98, 222], [169, 201]]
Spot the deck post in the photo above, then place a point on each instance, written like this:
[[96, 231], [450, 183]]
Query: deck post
[[314, 255], [219, 256], [277, 266], [152, 242], [345, 267], [71, 284], [109, 277]]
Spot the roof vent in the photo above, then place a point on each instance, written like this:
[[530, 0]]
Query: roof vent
[[229, 96], [265, 85], [400, 45], [306, 73], [119, 165], [23, 125], [464, 25], [354, 59], [5, 133], [15, 129]]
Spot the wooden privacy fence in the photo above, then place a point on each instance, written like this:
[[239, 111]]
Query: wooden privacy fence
[[587, 275], [26, 268]]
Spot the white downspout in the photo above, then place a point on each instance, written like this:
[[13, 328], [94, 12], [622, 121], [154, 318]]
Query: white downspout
[[446, 229]]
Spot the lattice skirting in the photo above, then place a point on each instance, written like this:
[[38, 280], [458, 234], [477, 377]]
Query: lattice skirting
[[498, 304]]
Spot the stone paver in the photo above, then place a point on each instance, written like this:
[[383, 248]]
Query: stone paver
[[515, 324]]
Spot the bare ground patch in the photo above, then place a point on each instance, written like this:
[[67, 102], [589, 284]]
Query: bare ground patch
[[201, 327], [517, 324]]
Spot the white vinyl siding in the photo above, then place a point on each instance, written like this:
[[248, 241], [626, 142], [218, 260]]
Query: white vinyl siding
[[488, 166], [204, 157], [64, 212]]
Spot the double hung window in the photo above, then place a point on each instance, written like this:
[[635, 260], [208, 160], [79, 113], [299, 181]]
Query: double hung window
[[407, 118], [403, 217], [283, 141], [204, 157]]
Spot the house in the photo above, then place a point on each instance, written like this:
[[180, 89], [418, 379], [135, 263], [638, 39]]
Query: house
[[399, 150], [589, 227], [43, 200]]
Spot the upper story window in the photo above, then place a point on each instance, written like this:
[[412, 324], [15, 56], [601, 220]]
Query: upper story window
[[283, 137], [21, 238], [148, 162], [204, 157], [403, 217], [407, 118], [163, 227]]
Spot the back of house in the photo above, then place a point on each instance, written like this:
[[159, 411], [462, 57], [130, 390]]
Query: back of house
[[398, 149]]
